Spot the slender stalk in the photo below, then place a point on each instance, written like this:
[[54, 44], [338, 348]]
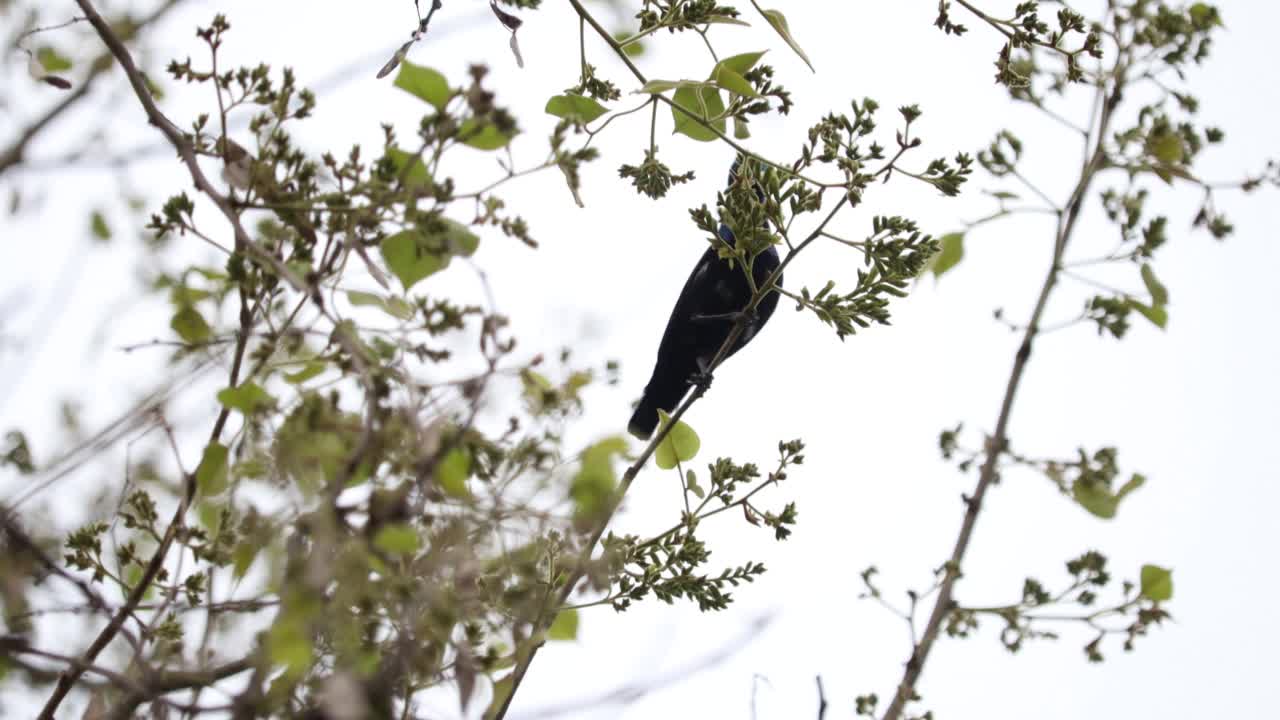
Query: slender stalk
[[999, 440]]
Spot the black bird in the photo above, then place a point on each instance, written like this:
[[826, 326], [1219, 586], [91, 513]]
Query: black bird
[[713, 299]]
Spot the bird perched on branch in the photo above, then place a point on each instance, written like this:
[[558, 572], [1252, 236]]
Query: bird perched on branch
[[714, 300]]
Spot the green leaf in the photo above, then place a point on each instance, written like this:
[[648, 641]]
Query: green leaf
[[733, 82], [190, 325], [1166, 147], [398, 539], [248, 398], [728, 73], [1157, 315], [741, 130], [452, 472], [1098, 499], [681, 444], [289, 644], [417, 176], [691, 484], [52, 60], [704, 102], [410, 256], [950, 255], [408, 260], [576, 107], [459, 238], [99, 227], [1157, 583], [211, 474], [779, 23], [393, 306], [424, 83], [565, 626], [242, 558], [592, 488], [309, 370], [634, 49], [1159, 294], [1202, 13], [482, 137], [740, 64], [358, 298]]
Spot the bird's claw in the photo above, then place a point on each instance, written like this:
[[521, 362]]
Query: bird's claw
[[701, 380]]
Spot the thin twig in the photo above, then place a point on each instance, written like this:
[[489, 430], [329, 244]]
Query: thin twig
[[997, 444]]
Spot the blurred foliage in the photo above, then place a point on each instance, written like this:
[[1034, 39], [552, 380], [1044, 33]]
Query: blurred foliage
[[385, 502]]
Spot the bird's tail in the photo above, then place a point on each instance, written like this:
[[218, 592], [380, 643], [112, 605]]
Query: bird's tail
[[645, 419]]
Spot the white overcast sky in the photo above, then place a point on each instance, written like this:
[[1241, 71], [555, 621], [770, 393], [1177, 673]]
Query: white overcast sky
[[1196, 408]]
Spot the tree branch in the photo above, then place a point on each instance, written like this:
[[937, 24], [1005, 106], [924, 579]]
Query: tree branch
[[16, 152], [999, 440]]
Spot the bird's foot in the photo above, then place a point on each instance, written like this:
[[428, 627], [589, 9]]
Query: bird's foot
[[701, 381], [702, 378]]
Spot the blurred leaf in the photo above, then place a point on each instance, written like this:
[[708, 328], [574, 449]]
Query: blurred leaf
[[190, 325], [592, 487], [565, 626], [242, 558], [17, 453], [681, 444], [247, 398], [309, 370], [211, 516], [459, 238], [397, 539], [52, 60], [393, 306], [98, 226], [288, 642], [482, 137], [950, 254], [1157, 315], [408, 260], [416, 177], [1159, 294], [1157, 583], [1098, 499], [452, 472], [1203, 13], [1166, 147], [211, 474], [577, 107], [424, 83]]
